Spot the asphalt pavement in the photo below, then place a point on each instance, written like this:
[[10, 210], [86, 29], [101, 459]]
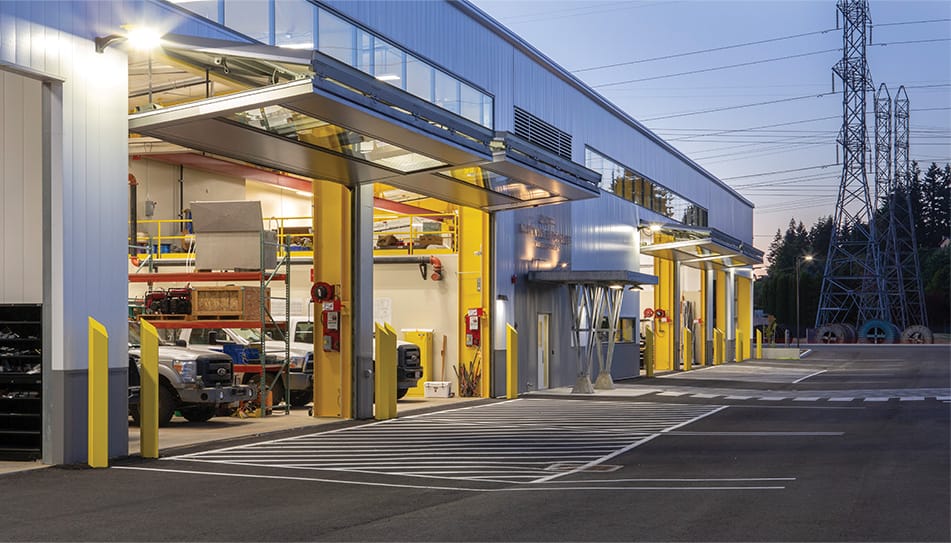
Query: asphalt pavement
[[848, 444]]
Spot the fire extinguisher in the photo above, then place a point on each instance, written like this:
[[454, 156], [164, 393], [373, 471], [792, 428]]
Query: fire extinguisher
[[474, 327], [323, 293]]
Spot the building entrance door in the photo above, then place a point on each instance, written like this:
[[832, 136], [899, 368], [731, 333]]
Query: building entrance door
[[543, 349]]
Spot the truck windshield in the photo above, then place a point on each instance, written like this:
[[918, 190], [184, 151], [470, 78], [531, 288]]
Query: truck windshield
[[248, 334], [135, 337]]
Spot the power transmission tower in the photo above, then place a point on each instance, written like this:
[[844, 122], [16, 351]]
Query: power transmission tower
[[902, 222], [853, 285], [884, 202]]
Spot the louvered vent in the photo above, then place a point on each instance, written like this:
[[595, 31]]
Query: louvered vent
[[542, 134]]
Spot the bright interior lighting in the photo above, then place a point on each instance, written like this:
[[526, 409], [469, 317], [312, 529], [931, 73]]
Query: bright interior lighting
[[807, 257], [143, 38], [655, 227], [388, 77], [303, 193], [616, 287]]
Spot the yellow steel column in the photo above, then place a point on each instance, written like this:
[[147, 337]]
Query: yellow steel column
[[148, 392], [759, 344], [473, 290], [424, 340], [664, 299], [333, 371], [384, 379], [511, 362], [702, 339], [721, 301], [744, 316], [98, 414]]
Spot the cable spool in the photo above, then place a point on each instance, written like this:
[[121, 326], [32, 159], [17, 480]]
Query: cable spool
[[878, 331], [830, 333], [917, 334]]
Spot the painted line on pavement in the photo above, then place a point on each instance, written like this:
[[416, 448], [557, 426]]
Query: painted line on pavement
[[808, 376]]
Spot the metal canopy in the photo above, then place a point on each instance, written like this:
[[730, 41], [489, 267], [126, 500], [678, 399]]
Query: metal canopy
[[346, 126], [600, 277], [695, 247]]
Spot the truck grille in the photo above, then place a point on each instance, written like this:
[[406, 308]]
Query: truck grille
[[214, 370], [409, 357]]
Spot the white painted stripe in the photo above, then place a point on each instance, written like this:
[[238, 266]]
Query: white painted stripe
[[806, 399], [841, 399], [629, 447], [757, 434], [690, 480], [704, 395], [675, 394], [739, 397], [943, 398], [912, 399], [772, 398], [877, 399], [808, 376]]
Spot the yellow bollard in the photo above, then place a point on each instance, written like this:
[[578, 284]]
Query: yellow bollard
[[511, 362], [717, 347], [649, 352], [740, 347], [759, 344], [384, 373], [98, 415], [148, 393], [685, 342]]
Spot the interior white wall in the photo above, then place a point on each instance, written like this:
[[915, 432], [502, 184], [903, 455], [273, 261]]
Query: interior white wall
[[415, 303], [21, 198]]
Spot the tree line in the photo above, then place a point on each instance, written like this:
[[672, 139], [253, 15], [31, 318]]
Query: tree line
[[930, 197]]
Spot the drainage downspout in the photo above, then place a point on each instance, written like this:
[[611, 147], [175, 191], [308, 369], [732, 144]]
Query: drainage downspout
[[421, 261], [133, 215]]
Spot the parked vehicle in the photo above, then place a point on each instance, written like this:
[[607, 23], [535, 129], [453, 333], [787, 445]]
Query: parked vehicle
[[409, 367], [216, 339], [194, 383]]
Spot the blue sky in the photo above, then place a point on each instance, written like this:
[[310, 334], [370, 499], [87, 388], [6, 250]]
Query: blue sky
[[583, 36]]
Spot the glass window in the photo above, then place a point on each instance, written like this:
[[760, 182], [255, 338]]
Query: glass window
[[447, 92], [364, 52], [419, 78], [206, 8], [388, 63], [470, 103], [335, 37], [487, 111], [249, 18], [294, 24]]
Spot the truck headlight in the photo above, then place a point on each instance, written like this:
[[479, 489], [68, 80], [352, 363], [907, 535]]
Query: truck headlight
[[297, 362], [185, 369]]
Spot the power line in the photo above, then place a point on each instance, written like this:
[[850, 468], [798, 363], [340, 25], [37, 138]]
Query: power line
[[699, 51], [741, 106], [716, 68], [923, 21], [778, 171]]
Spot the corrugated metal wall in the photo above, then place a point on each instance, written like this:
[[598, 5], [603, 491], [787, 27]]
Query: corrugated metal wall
[[449, 36], [21, 209]]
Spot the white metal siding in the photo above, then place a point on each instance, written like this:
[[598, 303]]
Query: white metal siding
[[21, 209]]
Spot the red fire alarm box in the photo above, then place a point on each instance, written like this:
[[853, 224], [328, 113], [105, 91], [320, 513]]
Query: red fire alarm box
[[330, 320], [474, 327]]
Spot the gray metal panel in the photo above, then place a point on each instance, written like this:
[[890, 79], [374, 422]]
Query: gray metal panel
[[619, 277]]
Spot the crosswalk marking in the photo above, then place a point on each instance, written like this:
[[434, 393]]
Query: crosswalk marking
[[517, 441]]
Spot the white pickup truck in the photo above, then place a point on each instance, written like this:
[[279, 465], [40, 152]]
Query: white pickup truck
[[214, 339], [409, 367], [194, 383]]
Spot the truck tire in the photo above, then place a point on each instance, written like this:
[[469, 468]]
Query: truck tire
[[277, 392], [300, 398], [400, 392], [167, 402], [199, 413]]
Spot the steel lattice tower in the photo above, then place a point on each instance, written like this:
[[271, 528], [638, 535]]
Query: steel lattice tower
[[902, 223], [853, 285], [884, 201]]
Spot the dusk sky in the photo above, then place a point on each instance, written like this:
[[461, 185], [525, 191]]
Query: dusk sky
[[781, 155]]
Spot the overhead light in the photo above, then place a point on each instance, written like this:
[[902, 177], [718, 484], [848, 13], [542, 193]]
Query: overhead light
[[303, 193], [616, 287], [655, 227], [388, 77], [143, 38]]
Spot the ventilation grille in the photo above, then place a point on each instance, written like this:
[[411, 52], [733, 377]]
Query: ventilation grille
[[542, 134]]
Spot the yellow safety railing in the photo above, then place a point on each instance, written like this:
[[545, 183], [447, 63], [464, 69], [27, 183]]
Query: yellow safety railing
[[395, 233], [423, 233]]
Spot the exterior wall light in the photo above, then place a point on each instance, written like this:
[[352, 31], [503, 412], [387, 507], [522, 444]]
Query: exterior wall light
[[139, 37]]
